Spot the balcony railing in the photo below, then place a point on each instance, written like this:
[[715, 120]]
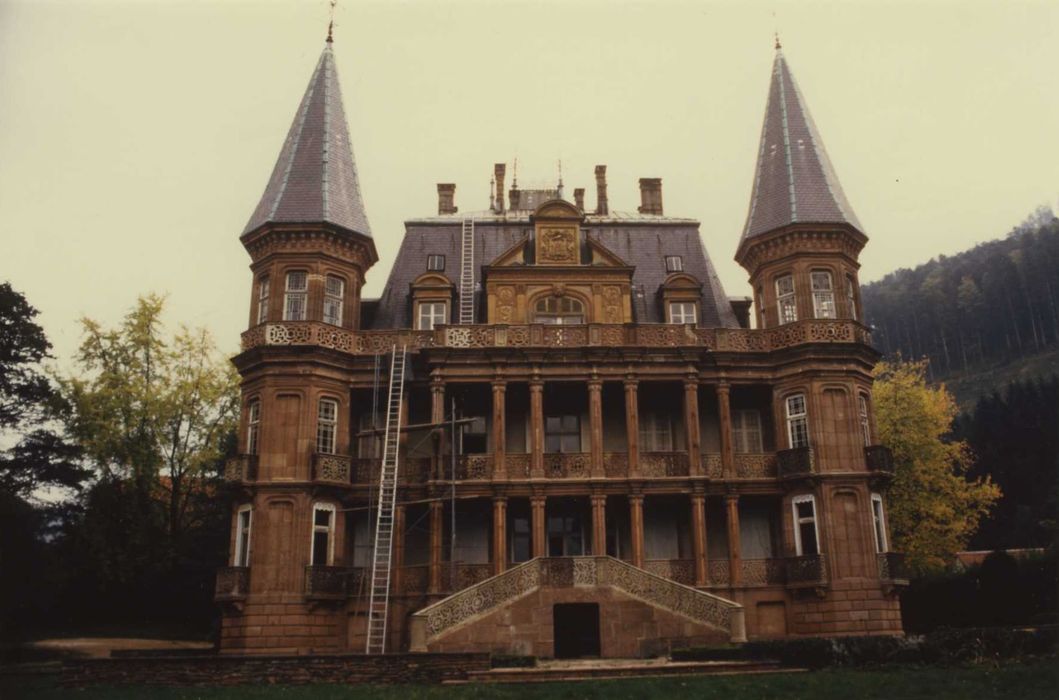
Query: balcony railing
[[679, 570], [573, 465], [359, 342], [615, 464], [332, 468], [762, 572], [809, 570], [879, 459], [755, 466], [410, 470], [465, 575], [233, 583], [796, 462], [326, 582], [241, 468], [892, 567], [659, 464], [474, 467]]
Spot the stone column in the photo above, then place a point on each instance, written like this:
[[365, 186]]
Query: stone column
[[691, 425], [437, 415], [398, 550], [536, 388], [698, 537], [724, 412], [437, 524], [499, 429], [735, 558], [636, 526], [599, 524], [538, 534], [595, 423], [499, 534], [632, 425]]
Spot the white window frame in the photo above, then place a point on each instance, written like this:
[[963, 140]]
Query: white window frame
[[865, 418], [253, 426], [295, 298], [759, 302], [786, 301], [797, 418], [674, 263], [822, 285], [746, 425], [241, 555], [326, 426], [568, 311], [656, 432], [683, 312], [262, 298], [431, 314], [878, 518], [333, 299], [798, 522], [435, 262], [329, 529], [851, 297]]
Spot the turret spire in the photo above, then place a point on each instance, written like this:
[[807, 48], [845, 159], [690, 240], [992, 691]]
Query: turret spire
[[331, 23]]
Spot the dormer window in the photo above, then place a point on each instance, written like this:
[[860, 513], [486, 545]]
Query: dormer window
[[435, 263], [682, 312], [674, 263], [823, 294], [432, 313], [334, 291], [559, 311], [786, 308], [296, 296]]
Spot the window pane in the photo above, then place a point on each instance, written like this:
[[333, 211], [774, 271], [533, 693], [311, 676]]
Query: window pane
[[571, 443], [570, 423], [821, 281], [551, 424], [323, 517], [552, 443], [808, 537], [297, 281], [321, 542]]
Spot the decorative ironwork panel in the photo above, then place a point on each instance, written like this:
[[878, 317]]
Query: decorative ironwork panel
[[664, 464], [474, 467], [755, 466], [615, 464], [713, 465], [241, 468], [365, 470], [796, 462], [892, 566], [233, 583], [879, 459], [517, 465], [574, 465], [325, 581], [718, 572], [334, 468], [762, 572], [806, 570], [679, 570]]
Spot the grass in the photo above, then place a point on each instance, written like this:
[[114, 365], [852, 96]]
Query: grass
[[1021, 681]]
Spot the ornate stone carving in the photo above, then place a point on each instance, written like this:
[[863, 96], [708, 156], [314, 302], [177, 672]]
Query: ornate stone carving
[[335, 468], [679, 570], [755, 466], [233, 583], [615, 464], [762, 572], [567, 466], [718, 572], [517, 465], [612, 304], [713, 465], [558, 245], [505, 304], [658, 464], [474, 467]]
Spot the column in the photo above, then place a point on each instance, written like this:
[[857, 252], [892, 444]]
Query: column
[[698, 537], [636, 526], [537, 529], [595, 423], [437, 524], [691, 425], [499, 429], [397, 562], [437, 415], [724, 412], [735, 558], [499, 534], [599, 524], [536, 388], [632, 425]]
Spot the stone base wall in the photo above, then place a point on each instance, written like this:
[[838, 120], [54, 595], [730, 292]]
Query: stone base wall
[[848, 607], [282, 628], [628, 627]]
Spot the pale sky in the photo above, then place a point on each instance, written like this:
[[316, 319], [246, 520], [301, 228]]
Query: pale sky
[[137, 137]]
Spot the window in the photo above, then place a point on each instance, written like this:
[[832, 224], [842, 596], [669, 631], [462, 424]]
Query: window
[[851, 299], [326, 424], [323, 542], [797, 422], [432, 313], [674, 263], [242, 536], [656, 432], [520, 539], [865, 423], [562, 433], [786, 308], [559, 311], [296, 297], [759, 302], [334, 291], [879, 522], [806, 538], [262, 299], [436, 263], [253, 426], [682, 312], [823, 295], [746, 431]]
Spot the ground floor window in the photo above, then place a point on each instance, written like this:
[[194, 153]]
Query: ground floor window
[[806, 537], [323, 542]]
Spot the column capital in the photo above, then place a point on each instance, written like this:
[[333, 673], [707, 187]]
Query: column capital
[[731, 498], [723, 387], [536, 384], [437, 384], [595, 384], [698, 497], [499, 499], [636, 498], [598, 498], [538, 499], [631, 383]]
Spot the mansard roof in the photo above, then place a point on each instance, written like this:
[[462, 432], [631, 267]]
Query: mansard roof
[[794, 181], [315, 177]]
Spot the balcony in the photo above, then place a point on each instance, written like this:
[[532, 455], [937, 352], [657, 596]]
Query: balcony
[[892, 567], [334, 469], [807, 571], [755, 466], [474, 467], [679, 570], [753, 572], [795, 463], [241, 469], [366, 470], [879, 460], [615, 464], [574, 465], [233, 584], [659, 464], [326, 582]]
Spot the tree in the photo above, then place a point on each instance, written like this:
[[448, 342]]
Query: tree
[[934, 509]]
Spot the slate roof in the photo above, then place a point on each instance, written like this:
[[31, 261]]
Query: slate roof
[[315, 178], [640, 240], [794, 181]]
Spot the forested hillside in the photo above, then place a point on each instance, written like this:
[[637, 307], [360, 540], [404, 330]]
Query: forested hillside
[[990, 305]]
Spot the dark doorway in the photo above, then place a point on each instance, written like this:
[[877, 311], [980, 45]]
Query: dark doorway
[[576, 630]]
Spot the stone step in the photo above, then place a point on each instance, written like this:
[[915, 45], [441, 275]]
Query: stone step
[[604, 669]]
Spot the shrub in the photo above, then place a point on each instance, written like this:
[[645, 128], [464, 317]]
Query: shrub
[[512, 661]]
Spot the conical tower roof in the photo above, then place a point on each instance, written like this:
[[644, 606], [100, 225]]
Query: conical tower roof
[[794, 182], [315, 178]]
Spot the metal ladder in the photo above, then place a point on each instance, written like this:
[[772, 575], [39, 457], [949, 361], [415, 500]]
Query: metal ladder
[[467, 273], [379, 602]]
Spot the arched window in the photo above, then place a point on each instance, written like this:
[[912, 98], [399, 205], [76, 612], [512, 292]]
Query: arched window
[[326, 424], [786, 308], [323, 542], [806, 536], [296, 296], [797, 422], [823, 294], [334, 290], [559, 311]]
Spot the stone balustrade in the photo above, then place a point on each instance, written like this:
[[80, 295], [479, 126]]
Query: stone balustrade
[[460, 576], [762, 572], [241, 468], [232, 584]]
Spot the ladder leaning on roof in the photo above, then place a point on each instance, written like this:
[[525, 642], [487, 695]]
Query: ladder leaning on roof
[[379, 601], [467, 272]]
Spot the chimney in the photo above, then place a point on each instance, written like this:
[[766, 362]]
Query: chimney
[[579, 198], [498, 173], [446, 198], [651, 195], [601, 190], [514, 198]]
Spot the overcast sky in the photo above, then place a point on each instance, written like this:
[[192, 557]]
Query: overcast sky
[[137, 137]]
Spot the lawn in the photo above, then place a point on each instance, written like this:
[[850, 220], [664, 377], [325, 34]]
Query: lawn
[[1025, 682]]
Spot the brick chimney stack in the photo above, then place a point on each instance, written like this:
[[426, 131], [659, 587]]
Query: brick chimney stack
[[514, 196], [651, 195], [579, 198], [601, 190], [446, 198], [498, 174]]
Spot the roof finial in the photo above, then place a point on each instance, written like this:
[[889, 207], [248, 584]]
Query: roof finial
[[514, 177], [492, 187], [331, 23], [778, 44]]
